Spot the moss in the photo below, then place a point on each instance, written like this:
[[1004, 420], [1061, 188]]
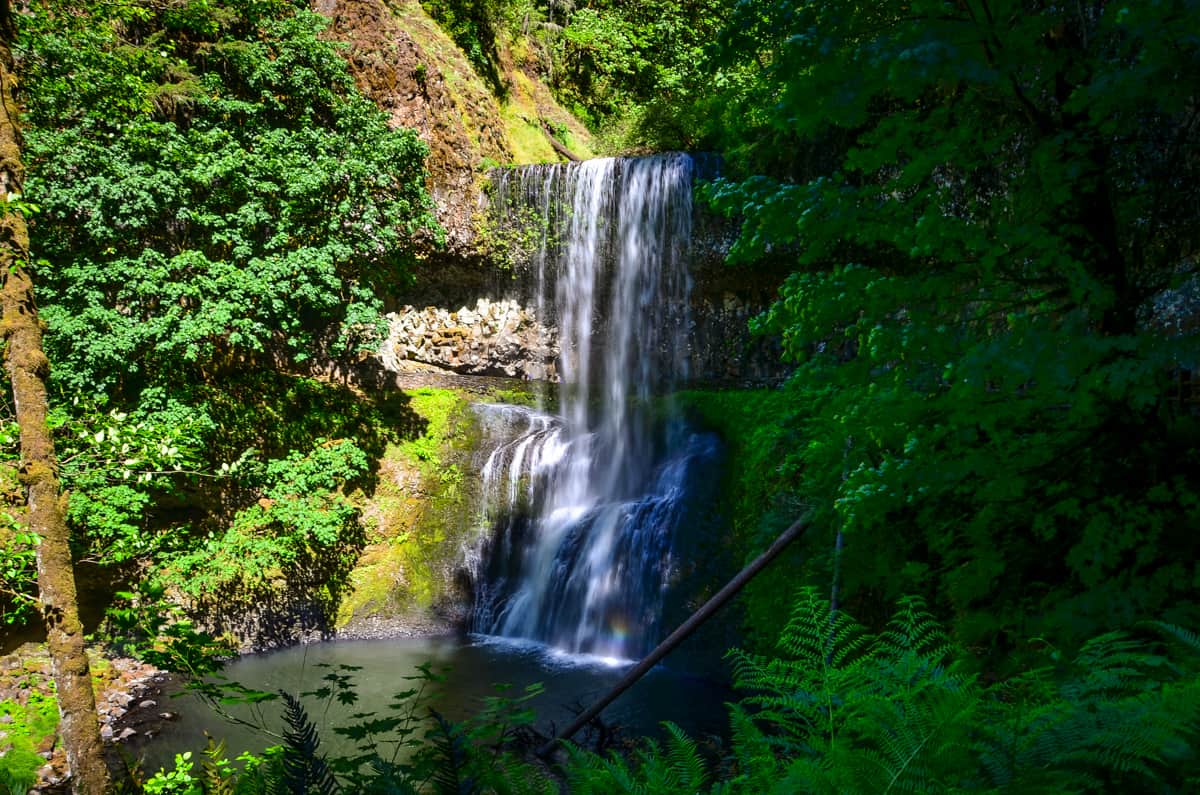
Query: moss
[[471, 98], [519, 395], [526, 102], [755, 489], [439, 409], [423, 514]]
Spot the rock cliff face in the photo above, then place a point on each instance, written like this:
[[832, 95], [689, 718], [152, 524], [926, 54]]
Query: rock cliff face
[[408, 66], [405, 63], [412, 82], [503, 336], [484, 318]]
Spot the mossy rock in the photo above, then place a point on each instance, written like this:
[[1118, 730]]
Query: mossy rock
[[422, 518]]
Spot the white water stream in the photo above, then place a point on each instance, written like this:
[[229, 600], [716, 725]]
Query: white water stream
[[584, 505]]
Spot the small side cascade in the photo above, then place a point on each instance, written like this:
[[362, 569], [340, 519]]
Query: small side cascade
[[584, 505]]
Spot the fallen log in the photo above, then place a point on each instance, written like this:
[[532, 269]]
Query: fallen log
[[558, 145], [679, 635]]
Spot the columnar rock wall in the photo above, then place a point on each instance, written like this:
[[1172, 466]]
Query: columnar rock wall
[[503, 337], [490, 326]]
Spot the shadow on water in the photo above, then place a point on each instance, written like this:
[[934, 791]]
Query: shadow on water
[[473, 667]]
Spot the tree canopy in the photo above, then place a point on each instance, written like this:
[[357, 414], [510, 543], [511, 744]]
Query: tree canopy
[[983, 202], [213, 195]]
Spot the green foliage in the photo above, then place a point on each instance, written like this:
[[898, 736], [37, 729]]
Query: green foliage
[[301, 521], [217, 775], [629, 70], [634, 68], [147, 625], [214, 194], [677, 768], [841, 710], [210, 186], [478, 27], [29, 724], [304, 768], [18, 570], [114, 462], [981, 204], [758, 489], [177, 780]]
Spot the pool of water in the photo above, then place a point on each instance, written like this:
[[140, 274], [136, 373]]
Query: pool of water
[[472, 666]]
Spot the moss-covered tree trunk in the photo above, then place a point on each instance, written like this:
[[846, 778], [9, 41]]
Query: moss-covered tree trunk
[[27, 369]]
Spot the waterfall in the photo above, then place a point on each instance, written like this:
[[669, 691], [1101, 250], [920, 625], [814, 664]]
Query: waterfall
[[584, 504]]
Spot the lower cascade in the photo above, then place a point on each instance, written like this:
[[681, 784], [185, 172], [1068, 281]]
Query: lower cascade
[[584, 506]]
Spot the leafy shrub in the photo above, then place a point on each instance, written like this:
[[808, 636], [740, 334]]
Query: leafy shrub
[[839, 709], [301, 521], [32, 722]]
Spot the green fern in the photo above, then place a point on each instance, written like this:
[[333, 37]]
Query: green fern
[[451, 776], [305, 771], [845, 711], [216, 776], [1186, 638], [653, 770]]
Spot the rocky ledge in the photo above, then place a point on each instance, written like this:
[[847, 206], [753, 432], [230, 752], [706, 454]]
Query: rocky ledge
[[127, 702], [497, 338]]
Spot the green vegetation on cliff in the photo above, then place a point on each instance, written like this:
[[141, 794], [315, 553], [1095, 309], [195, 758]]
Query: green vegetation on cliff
[[421, 517], [629, 71], [213, 197]]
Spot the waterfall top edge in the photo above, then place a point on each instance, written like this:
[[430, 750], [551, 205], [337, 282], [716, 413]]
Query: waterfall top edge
[[705, 163]]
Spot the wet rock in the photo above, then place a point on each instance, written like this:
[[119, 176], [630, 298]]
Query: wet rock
[[126, 733]]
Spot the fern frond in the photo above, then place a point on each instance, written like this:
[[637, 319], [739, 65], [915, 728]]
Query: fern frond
[[215, 772], [914, 629], [305, 771], [1185, 637], [816, 635], [452, 776], [757, 763], [592, 773], [685, 759]]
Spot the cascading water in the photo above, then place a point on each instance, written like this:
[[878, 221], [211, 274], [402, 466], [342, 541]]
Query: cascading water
[[584, 506]]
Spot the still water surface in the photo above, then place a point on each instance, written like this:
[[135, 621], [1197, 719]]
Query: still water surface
[[473, 666]]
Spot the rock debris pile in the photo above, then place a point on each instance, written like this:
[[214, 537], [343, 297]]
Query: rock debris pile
[[500, 338]]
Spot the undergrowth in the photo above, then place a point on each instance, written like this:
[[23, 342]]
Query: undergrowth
[[33, 724]]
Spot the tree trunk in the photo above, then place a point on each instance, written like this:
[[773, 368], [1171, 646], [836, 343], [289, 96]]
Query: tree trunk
[[27, 369]]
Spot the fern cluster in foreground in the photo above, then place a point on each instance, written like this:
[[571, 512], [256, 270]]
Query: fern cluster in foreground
[[841, 710]]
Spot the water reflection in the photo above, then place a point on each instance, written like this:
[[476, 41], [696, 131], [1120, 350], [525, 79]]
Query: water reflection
[[472, 667]]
